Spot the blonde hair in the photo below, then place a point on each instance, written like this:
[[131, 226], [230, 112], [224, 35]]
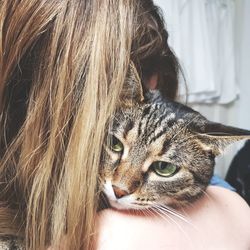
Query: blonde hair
[[62, 66]]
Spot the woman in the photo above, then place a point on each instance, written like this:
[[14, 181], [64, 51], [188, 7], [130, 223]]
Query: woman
[[63, 64], [62, 68]]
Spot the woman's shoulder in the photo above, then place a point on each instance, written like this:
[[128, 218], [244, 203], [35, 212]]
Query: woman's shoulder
[[232, 210], [229, 218], [219, 220], [229, 204]]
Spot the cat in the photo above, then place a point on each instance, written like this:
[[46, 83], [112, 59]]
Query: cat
[[159, 152]]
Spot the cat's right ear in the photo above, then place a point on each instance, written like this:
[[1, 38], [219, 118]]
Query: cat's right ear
[[132, 92], [216, 137]]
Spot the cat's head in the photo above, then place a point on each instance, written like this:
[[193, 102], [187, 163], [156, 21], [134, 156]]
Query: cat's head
[[159, 152]]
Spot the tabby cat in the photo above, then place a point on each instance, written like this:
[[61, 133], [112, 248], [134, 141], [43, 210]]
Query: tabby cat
[[159, 152]]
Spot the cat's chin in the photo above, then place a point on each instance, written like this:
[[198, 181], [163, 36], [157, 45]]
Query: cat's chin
[[117, 205]]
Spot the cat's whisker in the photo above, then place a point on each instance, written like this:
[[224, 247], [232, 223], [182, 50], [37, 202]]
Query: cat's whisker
[[173, 212], [190, 205], [204, 192], [148, 212], [180, 216], [185, 126], [144, 211], [163, 215], [207, 195]]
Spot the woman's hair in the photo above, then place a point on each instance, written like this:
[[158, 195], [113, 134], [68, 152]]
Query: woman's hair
[[62, 67]]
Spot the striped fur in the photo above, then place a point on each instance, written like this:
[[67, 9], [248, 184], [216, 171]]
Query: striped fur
[[157, 129]]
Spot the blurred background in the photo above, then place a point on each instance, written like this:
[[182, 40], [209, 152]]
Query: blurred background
[[211, 38]]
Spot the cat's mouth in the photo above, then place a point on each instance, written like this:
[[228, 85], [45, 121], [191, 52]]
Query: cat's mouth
[[125, 202]]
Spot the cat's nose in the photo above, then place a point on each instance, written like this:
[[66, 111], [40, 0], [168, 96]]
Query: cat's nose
[[119, 193]]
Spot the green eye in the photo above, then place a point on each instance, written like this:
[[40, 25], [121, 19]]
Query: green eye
[[116, 145], [164, 169]]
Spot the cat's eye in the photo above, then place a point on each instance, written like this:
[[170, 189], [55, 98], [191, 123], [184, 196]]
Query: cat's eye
[[116, 145], [164, 169]]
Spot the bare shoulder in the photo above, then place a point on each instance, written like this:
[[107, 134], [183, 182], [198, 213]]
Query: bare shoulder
[[229, 205], [231, 216], [233, 211], [219, 220]]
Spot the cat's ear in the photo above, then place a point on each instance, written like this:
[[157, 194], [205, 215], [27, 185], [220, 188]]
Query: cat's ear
[[132, 92], [216, 137]]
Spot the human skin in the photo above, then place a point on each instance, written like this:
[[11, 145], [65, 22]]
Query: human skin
[[220, 220]]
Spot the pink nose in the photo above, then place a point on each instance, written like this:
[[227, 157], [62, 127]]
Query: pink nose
[[119, 193]]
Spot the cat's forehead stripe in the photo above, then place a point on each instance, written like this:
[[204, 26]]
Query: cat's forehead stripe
[[164, 124], [165, 147], [129, 126], [147, 114], [153, 117]]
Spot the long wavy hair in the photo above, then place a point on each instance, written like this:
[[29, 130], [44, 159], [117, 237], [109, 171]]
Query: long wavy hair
[[62, 66]]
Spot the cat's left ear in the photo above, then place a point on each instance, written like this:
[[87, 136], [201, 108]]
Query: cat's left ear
[[132, 92], [216, 137]]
